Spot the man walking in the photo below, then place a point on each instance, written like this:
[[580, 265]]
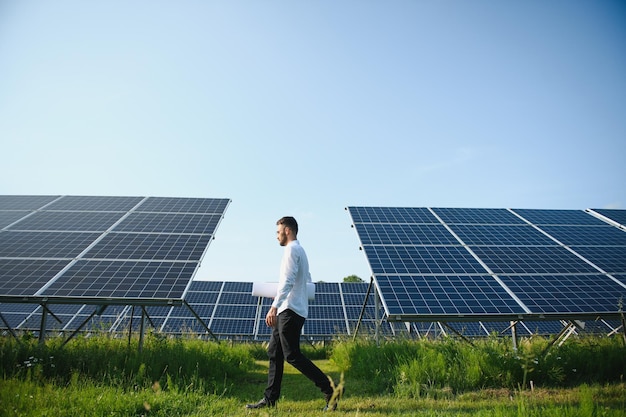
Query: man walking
[[286, 316]]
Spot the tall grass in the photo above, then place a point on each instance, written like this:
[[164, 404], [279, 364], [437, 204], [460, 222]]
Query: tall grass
[[440, 368], [104, 376], [172, 363]]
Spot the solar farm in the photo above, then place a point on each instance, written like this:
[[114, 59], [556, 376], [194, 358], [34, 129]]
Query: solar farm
[[71, 264]]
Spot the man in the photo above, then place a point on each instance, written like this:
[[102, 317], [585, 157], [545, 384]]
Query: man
[[286, 317]]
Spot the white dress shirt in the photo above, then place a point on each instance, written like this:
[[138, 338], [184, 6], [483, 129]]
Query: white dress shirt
[[294, 275]]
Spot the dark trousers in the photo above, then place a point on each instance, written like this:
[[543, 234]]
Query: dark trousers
[[285, 345]]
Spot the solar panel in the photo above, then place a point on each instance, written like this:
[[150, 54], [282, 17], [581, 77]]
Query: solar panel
[[93, 203], [609, 259], [556, 217], [103, 247], [169, 223], [8, 217], [25, 202], [44, 244], [570, 293], [587, 235], [184, 205], [391, 259], [55, 221], [491, 263], [532, 260], [27, 276], [442, 295], [123, 279], [392, 215], [477, 216], [618, 216], [497, 235], [134, 246], [402, 234]]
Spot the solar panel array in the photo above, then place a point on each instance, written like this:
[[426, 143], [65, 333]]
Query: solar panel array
[[94, 247], [231, 312], [227, 308], [432, 264]]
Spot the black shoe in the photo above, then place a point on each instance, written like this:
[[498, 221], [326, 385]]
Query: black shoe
[[332, 400], [262, 404]]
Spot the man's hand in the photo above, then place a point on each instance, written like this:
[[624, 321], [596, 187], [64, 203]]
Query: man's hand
[[270, 318]]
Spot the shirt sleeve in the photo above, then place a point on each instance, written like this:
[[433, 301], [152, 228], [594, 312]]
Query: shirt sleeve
[[288, 272]]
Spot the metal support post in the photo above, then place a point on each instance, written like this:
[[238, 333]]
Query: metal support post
[[142, 328], [514, 335], [42, 327]]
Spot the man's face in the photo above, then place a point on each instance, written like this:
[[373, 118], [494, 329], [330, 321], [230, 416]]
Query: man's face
[[281, 234]]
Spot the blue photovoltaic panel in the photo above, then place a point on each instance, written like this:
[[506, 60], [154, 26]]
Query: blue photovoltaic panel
[[609, 259], [404, 234], [587, 235], [27, 276], [147, 246], [25, 202], [123, 279], [18, 308], [327, 287], [238, 287], [531, 260], [206, 286], [169, 223], [94, 203], [543, 246], [237, 298], [197, 297], [326, 312], [561, 294], [392, 215], [476, 216], [137, 234], [205, 311], [496, 235], [555, 217], [44, 244], [233, 326], [68, 220], [445, 295], [184, 205], [422, 260], [326, 315], [9, 217], [324, 327], [326, 299], [187, 326], [618, 216], [240, 311]]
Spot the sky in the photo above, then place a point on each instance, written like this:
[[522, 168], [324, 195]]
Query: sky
[[304, 108]]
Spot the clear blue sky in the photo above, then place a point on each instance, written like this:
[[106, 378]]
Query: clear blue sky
[[305, 107]]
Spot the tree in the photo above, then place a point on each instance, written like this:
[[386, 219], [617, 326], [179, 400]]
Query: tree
[[352, 278]]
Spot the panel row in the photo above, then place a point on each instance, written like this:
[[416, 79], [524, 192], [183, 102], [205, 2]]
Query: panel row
[[496, 262], [227, 308], [95, 246], [231, 312]]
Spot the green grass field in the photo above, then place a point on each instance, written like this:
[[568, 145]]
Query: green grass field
[[104, 377]]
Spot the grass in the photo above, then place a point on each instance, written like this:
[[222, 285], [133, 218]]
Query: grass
[[193, 378]]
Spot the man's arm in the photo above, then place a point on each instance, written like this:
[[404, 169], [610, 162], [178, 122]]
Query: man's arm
[[288, 273]]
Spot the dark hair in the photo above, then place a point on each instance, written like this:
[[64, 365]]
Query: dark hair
[[289, 222]]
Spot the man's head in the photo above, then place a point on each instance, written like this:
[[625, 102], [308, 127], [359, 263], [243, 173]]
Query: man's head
[[287, 230]]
